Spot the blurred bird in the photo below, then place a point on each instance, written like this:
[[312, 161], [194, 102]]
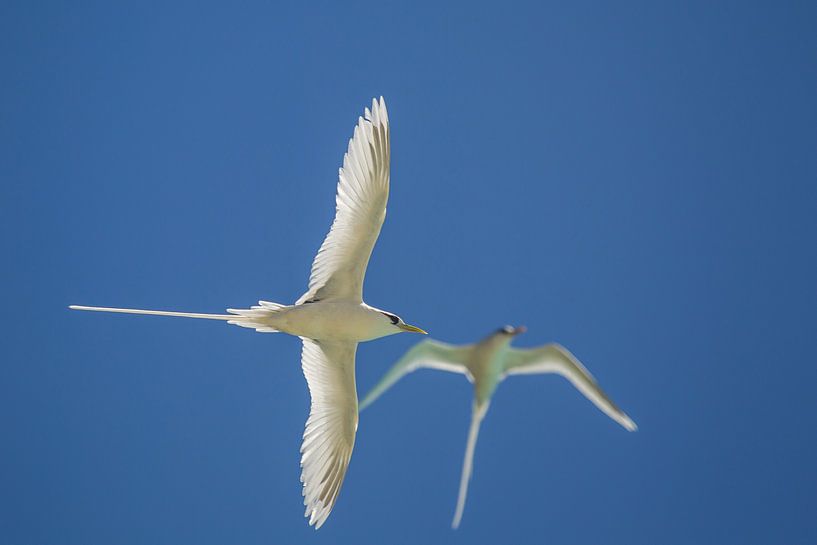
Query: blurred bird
[[486, 364], [331, 317]]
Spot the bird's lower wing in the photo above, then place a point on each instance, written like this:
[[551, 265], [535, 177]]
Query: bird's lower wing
[[554, 358], [478, 413], [363, 191], [429, 353], [329, 368]]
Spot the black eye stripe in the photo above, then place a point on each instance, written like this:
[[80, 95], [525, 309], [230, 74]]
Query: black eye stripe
[[394, 319]]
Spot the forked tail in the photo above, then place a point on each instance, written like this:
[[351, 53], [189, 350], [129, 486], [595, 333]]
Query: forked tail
[[256, 317]]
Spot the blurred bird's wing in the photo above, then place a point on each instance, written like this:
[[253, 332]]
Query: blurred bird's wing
[[363, 191], [329, 368], [554, 358], [431, 354], [477, 414]]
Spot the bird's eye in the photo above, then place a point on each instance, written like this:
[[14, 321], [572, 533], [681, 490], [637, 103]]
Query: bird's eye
[[394, 319]]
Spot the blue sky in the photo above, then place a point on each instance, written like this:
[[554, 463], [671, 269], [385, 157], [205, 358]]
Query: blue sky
[[637, 181]]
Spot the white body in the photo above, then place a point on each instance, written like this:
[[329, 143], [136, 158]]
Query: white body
[[331, 317], [332, 321]]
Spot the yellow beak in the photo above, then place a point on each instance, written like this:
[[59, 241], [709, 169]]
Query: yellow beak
[[411, 329]]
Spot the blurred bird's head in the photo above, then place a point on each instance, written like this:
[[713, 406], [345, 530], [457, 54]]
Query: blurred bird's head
[[504, 335], [510, 331]]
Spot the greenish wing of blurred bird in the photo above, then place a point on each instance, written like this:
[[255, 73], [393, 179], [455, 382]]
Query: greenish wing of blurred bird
[[554, 358], [428, 354]]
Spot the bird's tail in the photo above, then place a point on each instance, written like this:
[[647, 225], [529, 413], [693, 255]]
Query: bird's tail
[[256, 317], [477, 415]]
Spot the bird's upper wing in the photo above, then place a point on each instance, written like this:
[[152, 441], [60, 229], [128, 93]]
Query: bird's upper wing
[[554, 358], [363, 191], [429, 353], [329, 368]]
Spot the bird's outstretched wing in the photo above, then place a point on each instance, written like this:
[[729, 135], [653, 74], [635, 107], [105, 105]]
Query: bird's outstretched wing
[[554, 358], [329, 368], [477, 414], [363, 191], [431, 354]]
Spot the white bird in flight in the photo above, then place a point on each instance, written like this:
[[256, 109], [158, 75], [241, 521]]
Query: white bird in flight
[[486, 364], [331, 317]]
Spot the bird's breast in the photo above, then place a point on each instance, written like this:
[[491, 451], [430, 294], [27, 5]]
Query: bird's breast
[[486, 368]]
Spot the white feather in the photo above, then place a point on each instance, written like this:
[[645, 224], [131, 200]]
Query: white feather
[[329, 435], [362, 194]]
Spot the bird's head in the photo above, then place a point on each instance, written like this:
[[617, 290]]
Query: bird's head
[[509, 332], [396, 322], [502, 337]]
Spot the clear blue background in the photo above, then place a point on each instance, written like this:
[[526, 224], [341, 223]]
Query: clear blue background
[[636, 181]]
